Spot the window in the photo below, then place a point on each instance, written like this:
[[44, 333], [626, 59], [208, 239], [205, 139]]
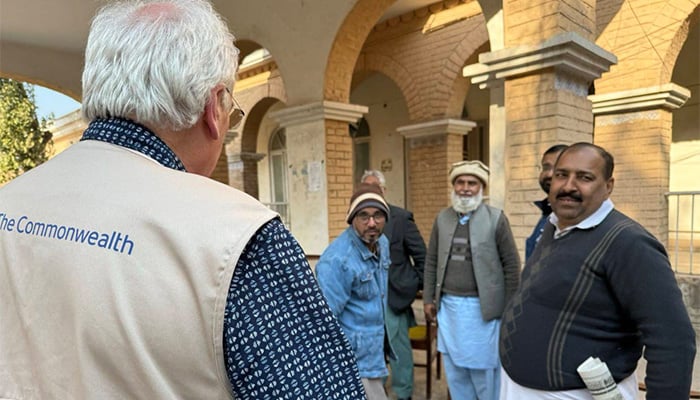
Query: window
[[278, 174], [359, 132]]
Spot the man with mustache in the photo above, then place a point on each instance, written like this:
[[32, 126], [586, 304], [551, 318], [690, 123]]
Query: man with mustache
[[353, 274], [597, 285], [546, 167], [471, 269]]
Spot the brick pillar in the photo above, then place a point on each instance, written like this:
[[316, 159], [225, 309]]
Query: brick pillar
[[319, 153], [432, 148], [248, 162], [546, 102], [635, 126]]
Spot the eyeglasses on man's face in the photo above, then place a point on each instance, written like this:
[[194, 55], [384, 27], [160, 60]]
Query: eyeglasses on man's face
[[236, 113], [377, 217]]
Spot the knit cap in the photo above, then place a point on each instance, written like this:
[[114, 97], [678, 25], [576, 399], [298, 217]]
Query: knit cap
[[476, 168], [367, 195]]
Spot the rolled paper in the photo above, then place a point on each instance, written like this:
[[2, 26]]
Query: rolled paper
[[598, 380]]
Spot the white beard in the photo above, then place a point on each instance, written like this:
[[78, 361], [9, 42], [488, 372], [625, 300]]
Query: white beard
[[466, 204]]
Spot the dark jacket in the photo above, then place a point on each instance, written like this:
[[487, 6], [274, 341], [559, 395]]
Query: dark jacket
[[532, 240], [407, 252]]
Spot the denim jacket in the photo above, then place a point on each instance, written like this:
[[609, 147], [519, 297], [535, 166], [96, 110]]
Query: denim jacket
[[354, 282]]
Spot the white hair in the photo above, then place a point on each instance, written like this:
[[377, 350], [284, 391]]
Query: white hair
[[376, 174], [155, 62]]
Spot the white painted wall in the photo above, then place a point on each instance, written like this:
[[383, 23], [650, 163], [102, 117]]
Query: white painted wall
[[387, 111]]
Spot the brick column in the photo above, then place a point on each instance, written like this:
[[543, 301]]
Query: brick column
[[319, 153], [432, 148], [248, 162], [635, 126], [545, 101]]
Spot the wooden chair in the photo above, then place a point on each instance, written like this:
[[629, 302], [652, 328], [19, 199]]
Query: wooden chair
[[424, 337]]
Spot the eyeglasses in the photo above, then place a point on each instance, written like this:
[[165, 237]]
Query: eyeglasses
[[364, 217], [236, 113]]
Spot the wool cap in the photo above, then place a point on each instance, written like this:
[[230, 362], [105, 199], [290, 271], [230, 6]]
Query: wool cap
[[367, 195], [476, 168]]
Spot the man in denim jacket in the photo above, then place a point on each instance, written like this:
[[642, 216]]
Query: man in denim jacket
[[353, 273]]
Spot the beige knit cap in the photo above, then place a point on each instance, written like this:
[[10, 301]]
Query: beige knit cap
[[367, 195], [476, 168]]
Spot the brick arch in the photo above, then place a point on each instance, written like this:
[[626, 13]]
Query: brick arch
[[447, 102], [679, 40], [347, 46], [467, 52], [375, 62], [248, 143], [246, 46], [646, 43]]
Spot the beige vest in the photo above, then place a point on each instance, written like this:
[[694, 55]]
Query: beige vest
[[114, 273]]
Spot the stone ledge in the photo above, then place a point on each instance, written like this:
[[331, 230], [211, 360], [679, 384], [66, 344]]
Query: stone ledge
[[568, 52], [669, 96]]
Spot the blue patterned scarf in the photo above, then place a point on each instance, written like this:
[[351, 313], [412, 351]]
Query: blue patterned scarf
[[131, 135]]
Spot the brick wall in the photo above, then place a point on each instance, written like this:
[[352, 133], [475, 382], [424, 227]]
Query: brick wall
[[425, 66], [339, 175], [429, 160], [541, 112], [640, 142], [646, 37], [531, 22]]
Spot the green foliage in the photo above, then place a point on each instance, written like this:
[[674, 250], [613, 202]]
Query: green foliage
[[24, 141]]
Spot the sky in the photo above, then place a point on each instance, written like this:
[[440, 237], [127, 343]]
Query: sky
[[49, 101]]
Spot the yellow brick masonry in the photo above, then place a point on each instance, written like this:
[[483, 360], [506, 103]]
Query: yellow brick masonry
[[339, 175], [531, 22], [646, 36], [347, 45], [424, 65], [429, 161], [539, 114], [640, 142]]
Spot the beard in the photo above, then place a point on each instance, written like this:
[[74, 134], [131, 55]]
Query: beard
[[465, 204]]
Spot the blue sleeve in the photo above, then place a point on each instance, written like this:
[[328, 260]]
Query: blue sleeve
[[335, 283], [281, 340]]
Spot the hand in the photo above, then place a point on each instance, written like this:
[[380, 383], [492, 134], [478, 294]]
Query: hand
[[430, 312]]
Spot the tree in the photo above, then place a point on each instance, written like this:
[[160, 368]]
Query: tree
[[24, 141]]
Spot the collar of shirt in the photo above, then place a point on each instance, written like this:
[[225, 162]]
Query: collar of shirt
[[133, 136], [592, 221], [464, 218]]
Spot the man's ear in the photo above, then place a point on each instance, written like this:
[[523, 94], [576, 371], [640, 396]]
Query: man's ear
[[212, 113], [609, 185]]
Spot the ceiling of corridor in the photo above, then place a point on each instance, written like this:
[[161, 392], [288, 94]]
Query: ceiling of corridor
[[63, 24]]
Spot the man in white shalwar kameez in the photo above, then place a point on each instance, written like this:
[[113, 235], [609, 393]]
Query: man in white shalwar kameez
[[472, 268]]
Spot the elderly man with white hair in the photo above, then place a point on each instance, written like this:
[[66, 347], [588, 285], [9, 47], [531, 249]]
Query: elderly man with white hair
[[472, 268], [125, 272]]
